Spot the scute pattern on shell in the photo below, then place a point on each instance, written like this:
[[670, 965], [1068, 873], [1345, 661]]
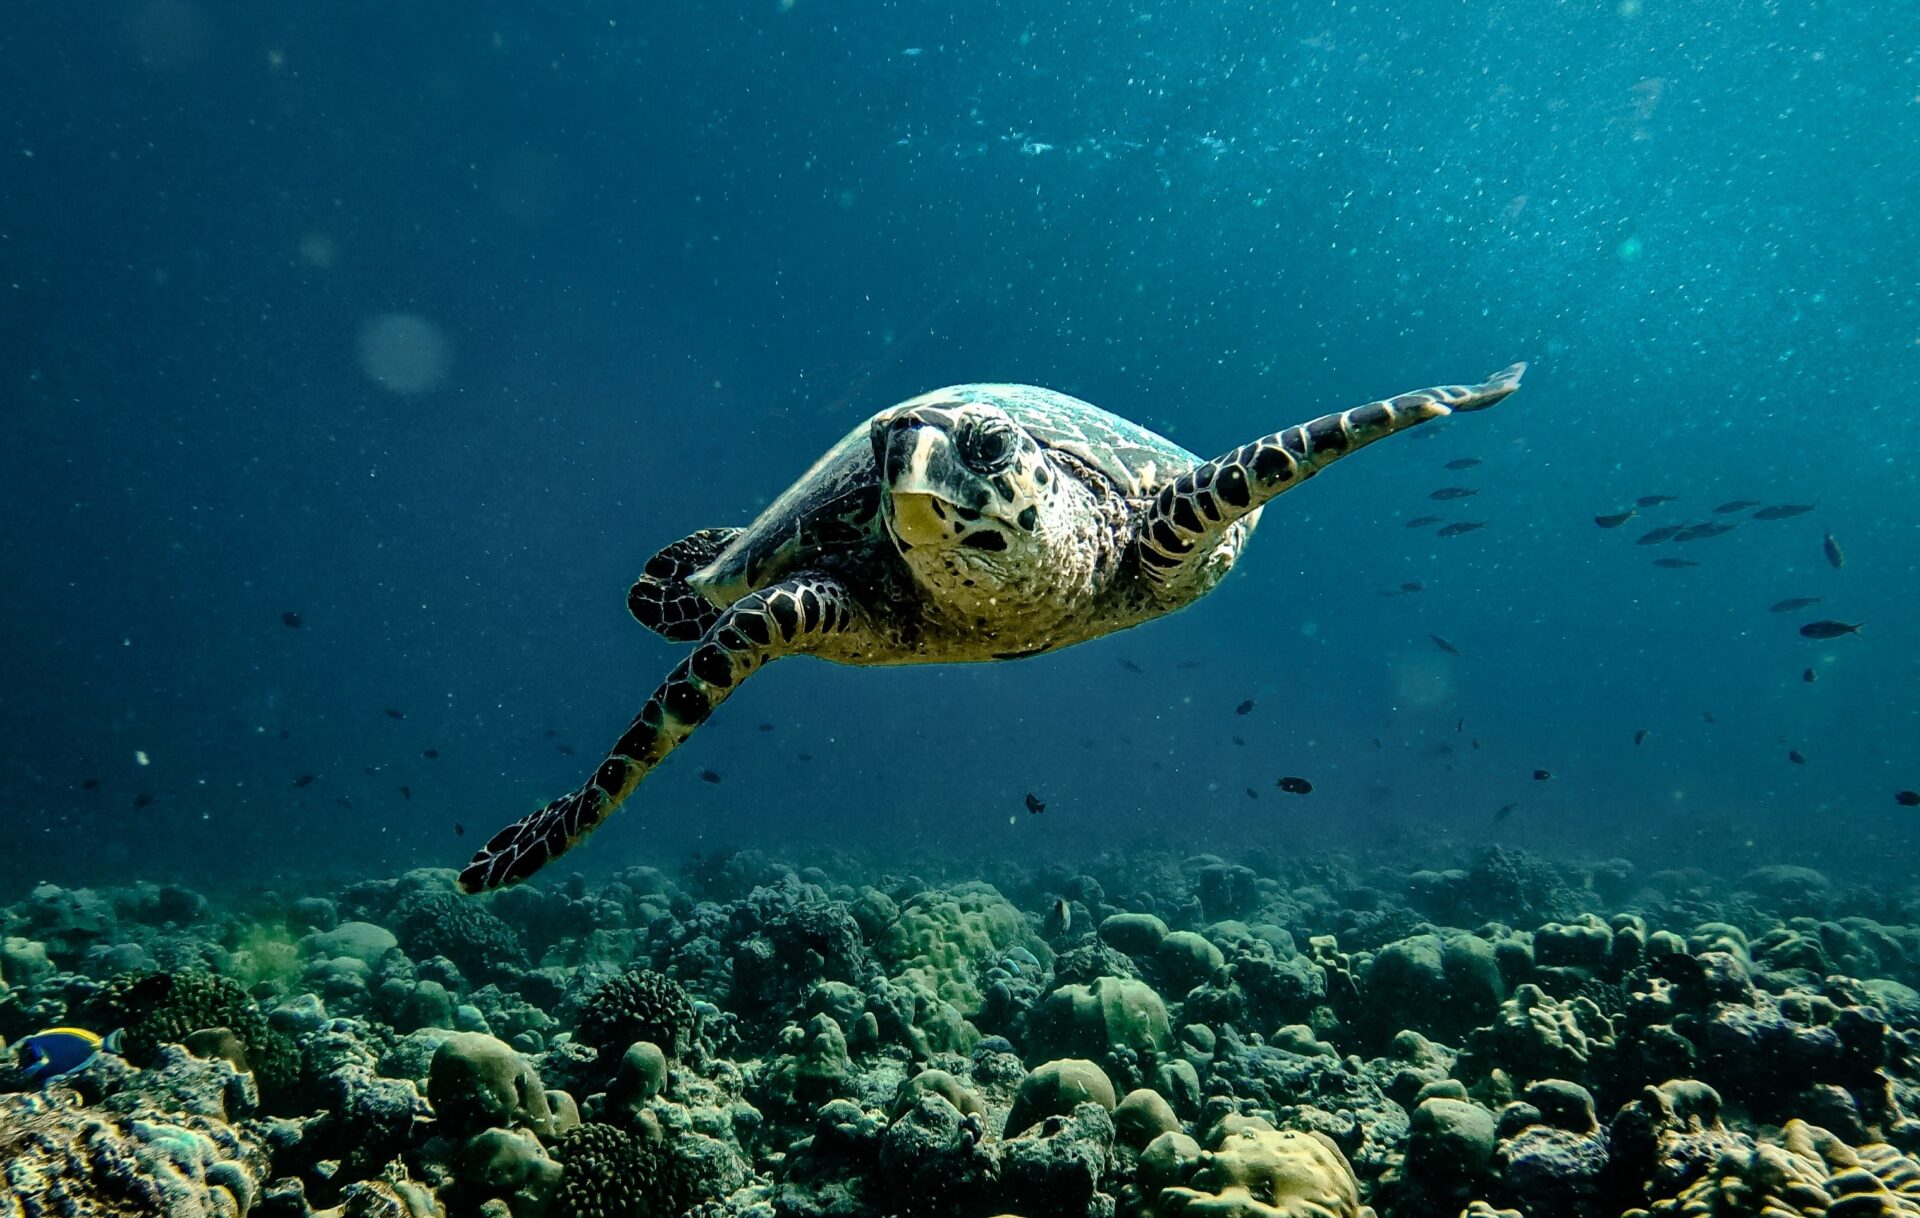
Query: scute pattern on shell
[[831, 503]]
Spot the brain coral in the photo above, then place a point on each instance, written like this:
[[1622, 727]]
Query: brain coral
[[1809, 1175]]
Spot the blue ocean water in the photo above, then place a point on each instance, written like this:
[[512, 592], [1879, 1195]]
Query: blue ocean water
[[427, 324]]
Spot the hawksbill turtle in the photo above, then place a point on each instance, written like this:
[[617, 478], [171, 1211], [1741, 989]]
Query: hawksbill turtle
[[976, 522]]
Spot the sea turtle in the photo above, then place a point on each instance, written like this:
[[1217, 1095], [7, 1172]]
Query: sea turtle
[[976, 522]]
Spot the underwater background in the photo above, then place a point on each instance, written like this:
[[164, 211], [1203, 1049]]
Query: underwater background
[[357, 356], [429, 324]]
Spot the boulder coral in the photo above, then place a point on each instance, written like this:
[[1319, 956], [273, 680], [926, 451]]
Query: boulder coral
[[1251, 1170], [939, 939]]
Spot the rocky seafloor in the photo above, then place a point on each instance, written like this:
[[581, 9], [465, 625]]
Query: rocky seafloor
[[1150, 1036]]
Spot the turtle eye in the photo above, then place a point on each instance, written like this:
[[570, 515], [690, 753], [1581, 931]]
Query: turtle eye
[[987, 446]]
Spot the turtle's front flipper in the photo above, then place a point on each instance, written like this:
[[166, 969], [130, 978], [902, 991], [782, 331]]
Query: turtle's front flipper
[[792, 617], [1186, 523], [661, 599]]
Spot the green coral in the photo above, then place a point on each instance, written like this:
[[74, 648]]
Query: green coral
[[609, 1173], [1113, 1014], [640, 1004], [157, 1008], [941, 939], [810, 1065]]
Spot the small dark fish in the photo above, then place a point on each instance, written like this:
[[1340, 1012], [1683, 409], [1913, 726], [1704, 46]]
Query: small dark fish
[[1413, 585], [1653, 537], [1809, 676], [430, 754], [142, 800], [709, 776], [1639, 737], [1782, 511], [291, 620], [1035, 806], [565, 750], [89, 784], [1189, 665], [1245, 708], [1907, 799], [1453, 492], [1464, 526], [1708, 716], [1463, 463], [1698, 532], [1654, 500], [1295, 786], [459, 830], [395, 714], [1734, 505], [1503, 811], [1614, 521], [803, 756], [345, 801], [1252, 794], [1829, 629], [305, 780], [285, 734], [1443, 645], [1377, 744], [1130, 666], [1421, 522], [766, 727], [1542, 775], [406, 792], [369, 770], [1239, 740], [1476, 744], [1835, 554], [550, 733], [1460, 725], [1792, 603], [1795, 757], [1674, 564]]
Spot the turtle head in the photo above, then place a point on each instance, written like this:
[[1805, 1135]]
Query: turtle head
[[959, 475]]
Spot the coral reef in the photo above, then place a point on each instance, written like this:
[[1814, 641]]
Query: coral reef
[[1149, 1035]]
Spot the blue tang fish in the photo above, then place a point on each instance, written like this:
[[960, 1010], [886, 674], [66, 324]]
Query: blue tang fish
[[58, 1052]]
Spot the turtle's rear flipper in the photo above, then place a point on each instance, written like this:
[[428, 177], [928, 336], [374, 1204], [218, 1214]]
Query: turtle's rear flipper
[[1190, 518], [791, 617], [660, 599]]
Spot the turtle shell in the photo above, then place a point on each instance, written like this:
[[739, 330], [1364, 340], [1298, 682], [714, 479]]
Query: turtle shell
[[836, 503]]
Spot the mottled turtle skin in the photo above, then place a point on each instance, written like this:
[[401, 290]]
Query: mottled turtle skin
[[976, 522]]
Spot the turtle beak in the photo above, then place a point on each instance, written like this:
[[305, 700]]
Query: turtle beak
[[915, 462], [919, 519]]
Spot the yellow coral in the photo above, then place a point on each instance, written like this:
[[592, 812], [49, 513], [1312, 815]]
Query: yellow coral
[[1811, 1174], [1264, 1173]]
